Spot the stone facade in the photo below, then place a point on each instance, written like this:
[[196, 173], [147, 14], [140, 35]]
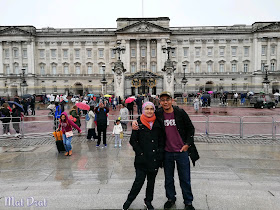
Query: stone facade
[[218, 58]]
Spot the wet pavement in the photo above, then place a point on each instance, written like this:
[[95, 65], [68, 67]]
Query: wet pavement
[[232, 173], [229, 175]]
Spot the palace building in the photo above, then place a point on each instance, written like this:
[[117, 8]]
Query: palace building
[[233, 58]]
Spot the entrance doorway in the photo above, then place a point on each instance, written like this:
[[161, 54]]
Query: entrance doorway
[[209, 86], [78, 88]]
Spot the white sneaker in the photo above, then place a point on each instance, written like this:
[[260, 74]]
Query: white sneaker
[[4, 134], [8, 133], [17, 135]]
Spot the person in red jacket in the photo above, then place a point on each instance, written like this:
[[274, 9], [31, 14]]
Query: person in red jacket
[[66, 126]]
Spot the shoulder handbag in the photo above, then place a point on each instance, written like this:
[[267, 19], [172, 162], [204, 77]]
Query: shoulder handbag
[[69, 134], [121, 135]]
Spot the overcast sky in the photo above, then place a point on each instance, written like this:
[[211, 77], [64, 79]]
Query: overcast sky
[[103, 13]]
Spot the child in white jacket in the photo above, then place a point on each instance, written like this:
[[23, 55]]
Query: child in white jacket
[[117, 131]]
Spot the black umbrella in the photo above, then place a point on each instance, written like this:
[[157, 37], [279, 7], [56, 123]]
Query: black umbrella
[[206, 95], [26, 96], [15, 103]]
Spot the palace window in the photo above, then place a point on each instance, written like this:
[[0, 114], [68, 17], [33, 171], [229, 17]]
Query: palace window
[[245, 67], [272, 49], [153, 52], [53, 53], [101, 53], [78, 69], [173, 52], [133, 68], [222, 51], [154, 67], [54, 69], [42, 53], [24, 53], [233, 67], [112, 54], [42, 69], [66, 69], [143, 52], [222, 67], [209, 67], [197, 67], [272, 65], [262, 65], [8, 69], [132, 52], [263, 49], [209, 51], [77, 53], [7, 53], [65, 53], [89, 69], [15, 53], [89, 54], [246, 51], [233, 51], [197, 51], [186, 50]]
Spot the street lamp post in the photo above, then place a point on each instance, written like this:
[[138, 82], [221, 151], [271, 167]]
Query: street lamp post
[[119, 71], [168, 68], [119, 49], [23, 83], [168, 49], [184, 80], [265, 80], [103, 81]]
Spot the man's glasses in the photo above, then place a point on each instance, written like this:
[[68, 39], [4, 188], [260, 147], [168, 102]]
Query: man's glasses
[[164, 100]]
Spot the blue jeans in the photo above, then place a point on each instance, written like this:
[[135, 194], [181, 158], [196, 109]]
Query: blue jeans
[[67, 142], [183, 168]]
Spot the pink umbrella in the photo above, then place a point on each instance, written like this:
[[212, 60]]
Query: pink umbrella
[[129, 100], [82, 106], [210, 92]]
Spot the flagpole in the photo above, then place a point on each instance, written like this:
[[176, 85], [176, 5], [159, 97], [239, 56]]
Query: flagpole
[[142, 8]]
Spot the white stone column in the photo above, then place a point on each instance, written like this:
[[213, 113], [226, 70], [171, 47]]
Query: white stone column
[[277, 53], [11, 58], [138, 56], [31, 57], [159, 55], [20, 56], [1, 59], [127, 55], [148, 55]]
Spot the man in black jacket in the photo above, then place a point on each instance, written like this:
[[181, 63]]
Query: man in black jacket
[[179, 144], [101, 119]]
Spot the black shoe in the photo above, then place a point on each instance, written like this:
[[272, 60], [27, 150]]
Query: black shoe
[[148, 205], [189, 207], [126, 205], [169, 204]]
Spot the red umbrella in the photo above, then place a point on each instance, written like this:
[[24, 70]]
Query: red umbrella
[[82, 106], [129, 100]]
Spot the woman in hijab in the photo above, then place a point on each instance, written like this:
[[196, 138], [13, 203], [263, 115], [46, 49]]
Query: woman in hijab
[[148, 144], [66, 126]]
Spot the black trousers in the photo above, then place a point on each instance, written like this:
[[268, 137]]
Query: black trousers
[[101, 130], [91, 133], [138, 183]]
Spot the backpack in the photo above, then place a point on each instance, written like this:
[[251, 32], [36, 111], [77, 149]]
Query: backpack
[[87, 117]]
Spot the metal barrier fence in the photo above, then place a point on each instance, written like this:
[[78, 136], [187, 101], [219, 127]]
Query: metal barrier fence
[[213, 125]]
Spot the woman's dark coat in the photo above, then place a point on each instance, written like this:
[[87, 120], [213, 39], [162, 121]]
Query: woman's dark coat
[[148, 146]]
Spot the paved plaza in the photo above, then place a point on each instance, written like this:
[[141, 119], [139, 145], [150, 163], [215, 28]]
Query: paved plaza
[[229, 175], [232, 173]]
